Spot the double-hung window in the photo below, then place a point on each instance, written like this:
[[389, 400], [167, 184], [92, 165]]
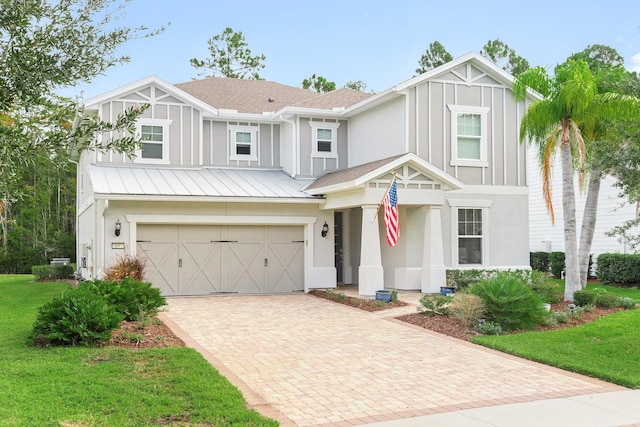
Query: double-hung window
[[243, 142], [154, 134], [469, 236], [468, 135], [324, 139]]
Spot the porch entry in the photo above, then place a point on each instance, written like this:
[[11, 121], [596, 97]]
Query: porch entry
[[209, 259]]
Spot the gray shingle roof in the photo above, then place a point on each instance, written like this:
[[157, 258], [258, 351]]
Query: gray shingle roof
[[350, 174], [258, 96]]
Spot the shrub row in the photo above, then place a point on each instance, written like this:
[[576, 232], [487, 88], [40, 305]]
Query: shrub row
[[43, 273], [553, 262], [85, 315], [619, 269]]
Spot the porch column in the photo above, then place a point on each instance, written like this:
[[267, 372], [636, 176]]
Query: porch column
[[433, 269], [371, 276]]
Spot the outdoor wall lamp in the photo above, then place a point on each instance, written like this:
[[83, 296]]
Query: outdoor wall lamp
[[325, 229], [118, 227]]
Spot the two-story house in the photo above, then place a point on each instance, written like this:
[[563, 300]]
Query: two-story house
[[248, 186]]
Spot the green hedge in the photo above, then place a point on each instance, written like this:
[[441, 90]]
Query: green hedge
[[539, 261], [556, 264], [620, 269], [52, 272]]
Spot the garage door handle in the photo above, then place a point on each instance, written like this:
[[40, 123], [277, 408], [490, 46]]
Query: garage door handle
[[297, 241], [266, 262], [223, 241], [180, 262]]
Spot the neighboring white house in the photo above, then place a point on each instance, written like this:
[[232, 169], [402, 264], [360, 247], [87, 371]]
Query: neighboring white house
[[248, 186], [545, 236]]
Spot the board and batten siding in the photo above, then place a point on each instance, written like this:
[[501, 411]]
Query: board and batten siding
[[420, 122], [314, 165]]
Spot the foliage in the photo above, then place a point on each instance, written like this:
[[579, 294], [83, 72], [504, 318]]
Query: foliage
[[628, 303], [605, 348], [463, 278], [393, 296], [433, 57], [130, 298], [468, 308], [77, 317], [358, 85], [435, 304], [621, 269], [126, 266], [78, 386], [504, 57], [539, 261], [584, 297], [230, 57], [489, 328], [607, 300], [319, 84], [510, 302], [52, 272], [544, 287], [556, 264]]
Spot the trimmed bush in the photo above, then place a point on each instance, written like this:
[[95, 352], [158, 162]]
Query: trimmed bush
[[619, 269], [78, 317], [556, 264], [43, 273], [539, 261], [607, 300], [510, 302], [130, 297], [628, 303], [584, 297]]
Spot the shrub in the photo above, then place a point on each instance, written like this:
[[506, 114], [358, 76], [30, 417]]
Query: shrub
[[607, 300], [394, 296], [628, 303], [468, 308], [489, 328], [129, 297], [539, 261], [462, 278], [76, 317], [432, 304], [584, 297], [544, 287], [126, 266], [556, 264], [43, 273], [620, 269], [509, 302]]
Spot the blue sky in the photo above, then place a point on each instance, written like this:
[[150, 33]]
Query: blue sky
[[378, 42]]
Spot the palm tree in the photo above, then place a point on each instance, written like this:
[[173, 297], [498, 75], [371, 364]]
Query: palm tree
[[570, 110]]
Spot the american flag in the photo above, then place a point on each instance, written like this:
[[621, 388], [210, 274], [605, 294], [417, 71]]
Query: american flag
[[390, 202]]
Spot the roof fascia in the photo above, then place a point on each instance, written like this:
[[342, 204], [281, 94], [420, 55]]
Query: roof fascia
[[207, 199], [92, 103]]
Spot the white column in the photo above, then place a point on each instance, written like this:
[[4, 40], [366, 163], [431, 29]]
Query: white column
[[433, 269], [371, 276]]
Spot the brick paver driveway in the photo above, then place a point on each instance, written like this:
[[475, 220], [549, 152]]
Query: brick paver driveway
[[307, 361]]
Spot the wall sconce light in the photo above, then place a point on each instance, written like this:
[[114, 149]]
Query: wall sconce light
[[325, 229], [118, 227]]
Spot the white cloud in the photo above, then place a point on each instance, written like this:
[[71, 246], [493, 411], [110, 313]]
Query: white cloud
[[635, 63]]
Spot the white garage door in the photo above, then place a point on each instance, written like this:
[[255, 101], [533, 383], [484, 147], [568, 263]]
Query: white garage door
[[207, 259]]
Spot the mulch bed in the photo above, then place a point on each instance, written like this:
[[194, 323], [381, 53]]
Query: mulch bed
[[361, 303], [155, 335]]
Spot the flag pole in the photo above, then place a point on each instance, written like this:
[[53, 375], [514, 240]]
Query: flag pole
[[385, 195]]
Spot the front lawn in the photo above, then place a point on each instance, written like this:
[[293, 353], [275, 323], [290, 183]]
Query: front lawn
[[606, 348], [104, 386]]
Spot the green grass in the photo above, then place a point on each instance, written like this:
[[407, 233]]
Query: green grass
[[606, 348], [104, 386], [621, 292]]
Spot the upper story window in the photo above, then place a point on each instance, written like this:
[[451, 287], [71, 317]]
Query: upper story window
[[243, 142], [324, 139], [469, 135], [154, 134]]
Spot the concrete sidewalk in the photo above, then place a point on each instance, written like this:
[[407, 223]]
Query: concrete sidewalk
[[306, 361]]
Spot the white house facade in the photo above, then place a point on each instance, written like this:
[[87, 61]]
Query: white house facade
[[253, 187]]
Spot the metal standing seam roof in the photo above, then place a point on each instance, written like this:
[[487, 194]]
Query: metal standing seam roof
[[203, 182]]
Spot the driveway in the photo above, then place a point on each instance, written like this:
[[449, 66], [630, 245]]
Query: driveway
[[307, 361]]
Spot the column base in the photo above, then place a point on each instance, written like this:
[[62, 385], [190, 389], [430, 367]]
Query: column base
[[371, 279], [433, 277]]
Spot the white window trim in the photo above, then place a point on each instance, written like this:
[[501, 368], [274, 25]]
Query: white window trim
[[458, 204], [333, 126], [165, 123], [231, 136], [462, 109]]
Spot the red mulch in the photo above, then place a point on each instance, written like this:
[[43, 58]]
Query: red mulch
[[361, 303], [155, 335]]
